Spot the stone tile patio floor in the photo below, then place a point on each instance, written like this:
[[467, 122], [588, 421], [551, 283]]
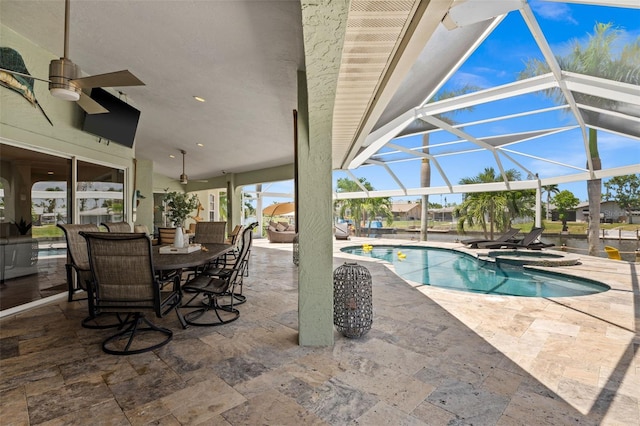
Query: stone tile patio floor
[[433, 357]]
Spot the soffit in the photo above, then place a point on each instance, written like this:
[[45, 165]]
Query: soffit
[[374, 30]]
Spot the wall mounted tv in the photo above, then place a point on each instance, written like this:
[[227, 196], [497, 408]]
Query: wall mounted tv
[[118, 125]]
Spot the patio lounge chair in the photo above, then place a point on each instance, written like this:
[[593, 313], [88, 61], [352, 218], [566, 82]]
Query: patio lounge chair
[[612, 252], [529, 242], [342, 231], [506, 237]]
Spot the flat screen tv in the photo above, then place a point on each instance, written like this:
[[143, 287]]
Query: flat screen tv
[[118, 125]]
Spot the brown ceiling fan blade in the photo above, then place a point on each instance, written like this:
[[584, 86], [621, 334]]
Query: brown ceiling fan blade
[[112, 79], [89, 105]]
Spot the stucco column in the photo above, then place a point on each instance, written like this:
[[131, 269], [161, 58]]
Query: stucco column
[[315, 270], [144, 183], [323, 26], [234, 201], [538, 218]]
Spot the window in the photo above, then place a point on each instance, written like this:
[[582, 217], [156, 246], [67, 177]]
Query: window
[[100, 193]]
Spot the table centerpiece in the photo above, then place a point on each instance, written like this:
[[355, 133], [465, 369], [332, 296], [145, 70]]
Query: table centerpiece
[[178, 206]]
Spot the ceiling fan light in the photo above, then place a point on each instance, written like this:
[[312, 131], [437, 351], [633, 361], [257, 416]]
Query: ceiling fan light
[[61, 72], [64, 94], [184, 179]]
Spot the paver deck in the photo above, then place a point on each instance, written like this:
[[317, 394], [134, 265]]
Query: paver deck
[[432, 357]]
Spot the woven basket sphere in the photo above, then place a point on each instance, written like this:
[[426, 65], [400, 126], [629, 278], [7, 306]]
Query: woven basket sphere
[[352, 300]]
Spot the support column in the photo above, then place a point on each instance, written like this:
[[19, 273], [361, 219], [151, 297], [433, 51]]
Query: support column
[[323, 25], [315, 271], [538, 219], [234, 200]]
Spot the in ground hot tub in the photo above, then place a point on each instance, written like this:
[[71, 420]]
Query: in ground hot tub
[[533, 258]]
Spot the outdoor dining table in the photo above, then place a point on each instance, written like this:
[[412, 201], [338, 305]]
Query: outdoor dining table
[[173, 261]]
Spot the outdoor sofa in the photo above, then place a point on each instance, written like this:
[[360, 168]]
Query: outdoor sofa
[[281, 232]]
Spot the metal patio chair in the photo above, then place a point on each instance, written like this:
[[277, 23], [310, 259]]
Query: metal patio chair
[[124, 283]]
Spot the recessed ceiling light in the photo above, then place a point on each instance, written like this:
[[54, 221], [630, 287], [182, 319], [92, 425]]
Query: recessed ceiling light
[[172, 156], [200, 144], [199, 99], [49, 172]]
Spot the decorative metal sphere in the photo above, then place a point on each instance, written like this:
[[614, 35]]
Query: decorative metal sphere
[[296, 250]]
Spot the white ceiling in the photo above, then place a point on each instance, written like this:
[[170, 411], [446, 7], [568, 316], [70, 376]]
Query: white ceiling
[[241, 56]]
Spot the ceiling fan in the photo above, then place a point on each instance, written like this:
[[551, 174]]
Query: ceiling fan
[[65, 81], [184, 179]]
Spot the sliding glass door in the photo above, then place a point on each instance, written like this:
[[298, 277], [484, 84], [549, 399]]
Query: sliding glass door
[[35, 195]]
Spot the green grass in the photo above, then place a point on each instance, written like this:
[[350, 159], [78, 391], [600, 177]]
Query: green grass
[[46, 231], [551, 227]]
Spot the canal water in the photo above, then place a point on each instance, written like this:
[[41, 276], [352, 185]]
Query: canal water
[[574, 244]]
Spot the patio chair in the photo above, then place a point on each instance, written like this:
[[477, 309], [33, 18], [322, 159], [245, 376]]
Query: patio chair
[[341, 231], [244, 242], [210, 232], [79, 271], [124, 283], [215, 286], [529, 241], [166, 235], [235, 238], [117, 226], [506, 237], [234, 235], [144, 229], [612, 252], [77, 257]]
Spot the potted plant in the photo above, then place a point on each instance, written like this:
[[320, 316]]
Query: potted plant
[[23, 226], [178, 206]]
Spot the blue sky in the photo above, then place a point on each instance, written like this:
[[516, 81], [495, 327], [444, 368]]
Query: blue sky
[[498, 61]]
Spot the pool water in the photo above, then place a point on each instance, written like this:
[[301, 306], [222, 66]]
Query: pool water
[[459, 271], [51, 252]]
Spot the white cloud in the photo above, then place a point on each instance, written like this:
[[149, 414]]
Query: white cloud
[[463, 78], [553, 11]]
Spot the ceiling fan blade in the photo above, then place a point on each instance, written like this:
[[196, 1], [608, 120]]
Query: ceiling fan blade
[[112, 79], [24, 75], [89, 105]]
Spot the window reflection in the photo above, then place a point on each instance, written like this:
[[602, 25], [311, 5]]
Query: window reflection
[[100, 193], [34, 196]]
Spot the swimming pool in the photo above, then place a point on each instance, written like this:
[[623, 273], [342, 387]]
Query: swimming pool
[[459, 271]]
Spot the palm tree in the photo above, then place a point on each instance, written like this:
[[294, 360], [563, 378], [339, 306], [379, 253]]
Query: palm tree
[[550, 189], [361, 208], [425, 167], [596, 58], [378, 207], [355, 206], [493, 209]]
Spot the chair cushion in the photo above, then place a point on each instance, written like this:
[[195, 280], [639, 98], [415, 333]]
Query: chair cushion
[[280, 227]]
